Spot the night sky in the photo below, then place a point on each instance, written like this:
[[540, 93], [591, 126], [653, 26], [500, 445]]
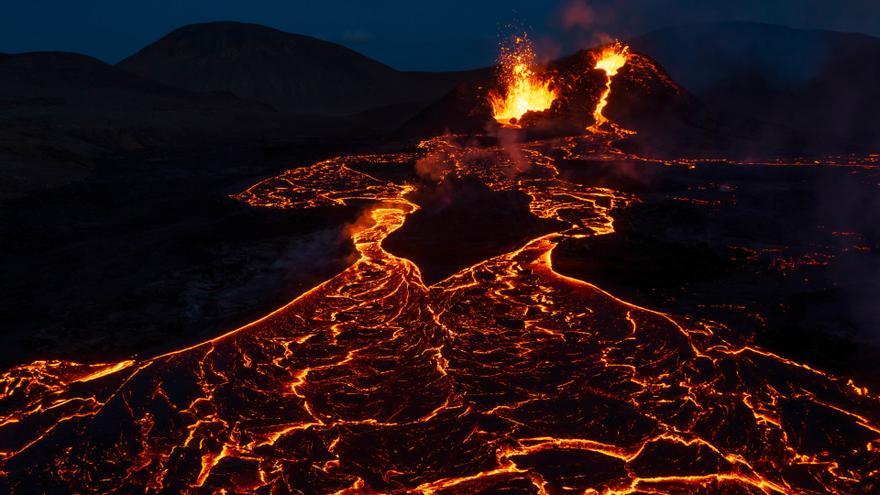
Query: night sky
[[426, 35]]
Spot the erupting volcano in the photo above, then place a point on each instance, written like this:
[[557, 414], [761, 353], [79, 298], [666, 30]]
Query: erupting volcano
[[523, 90], [508, 376]]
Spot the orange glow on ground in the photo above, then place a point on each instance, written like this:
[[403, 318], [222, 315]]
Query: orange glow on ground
[[486, 382]]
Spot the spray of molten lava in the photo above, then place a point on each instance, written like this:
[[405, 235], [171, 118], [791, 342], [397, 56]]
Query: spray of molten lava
[[523, 89], [610, 61]]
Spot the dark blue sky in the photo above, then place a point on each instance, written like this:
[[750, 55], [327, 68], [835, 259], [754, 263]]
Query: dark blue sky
[[427, 35]]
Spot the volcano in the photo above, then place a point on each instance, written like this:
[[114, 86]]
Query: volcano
[[578, 86], [666, 119], [464, 349]]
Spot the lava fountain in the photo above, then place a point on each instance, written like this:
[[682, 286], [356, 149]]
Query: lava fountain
[[610, 61], [523, 90]]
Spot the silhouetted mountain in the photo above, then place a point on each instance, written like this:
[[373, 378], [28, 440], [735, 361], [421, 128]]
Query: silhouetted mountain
[[59, 112], [821, 84], [291, 72]]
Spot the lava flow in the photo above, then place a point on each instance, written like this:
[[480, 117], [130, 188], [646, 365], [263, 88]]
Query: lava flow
[[506, 377], [610, 61], [523, 89]]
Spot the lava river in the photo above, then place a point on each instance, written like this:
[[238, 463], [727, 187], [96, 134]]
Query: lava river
[[506, 377]]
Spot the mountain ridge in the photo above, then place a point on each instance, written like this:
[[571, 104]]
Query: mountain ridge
[[309, 75]]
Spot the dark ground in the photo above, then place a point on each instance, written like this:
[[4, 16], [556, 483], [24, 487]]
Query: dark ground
[[448, 235], [154, 255], [789, 253]]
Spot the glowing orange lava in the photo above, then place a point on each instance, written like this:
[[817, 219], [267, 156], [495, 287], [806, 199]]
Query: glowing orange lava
[[506, 377], [610, 61], [524, 90]]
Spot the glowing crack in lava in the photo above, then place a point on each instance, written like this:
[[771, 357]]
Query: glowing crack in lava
[[523, 89], [506, 377], [610, 60]]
